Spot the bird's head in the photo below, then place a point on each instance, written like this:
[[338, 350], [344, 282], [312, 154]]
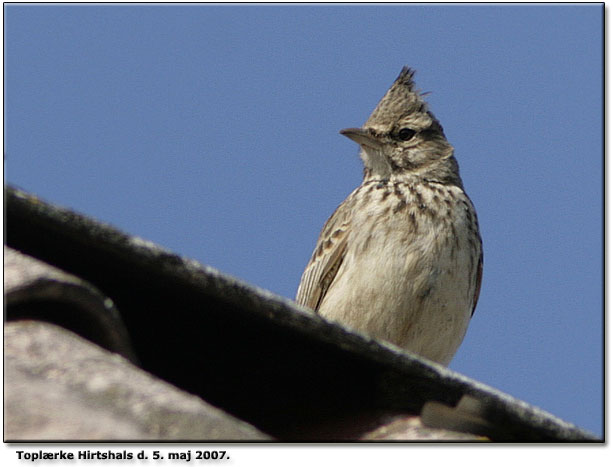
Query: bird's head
[[403, 138]]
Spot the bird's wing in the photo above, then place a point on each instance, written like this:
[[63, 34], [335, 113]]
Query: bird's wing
[[478, 285], [325, 261]]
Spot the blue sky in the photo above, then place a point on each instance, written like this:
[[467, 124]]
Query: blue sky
[[213, 131]]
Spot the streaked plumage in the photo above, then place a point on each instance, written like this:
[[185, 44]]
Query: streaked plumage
[[401, 258]]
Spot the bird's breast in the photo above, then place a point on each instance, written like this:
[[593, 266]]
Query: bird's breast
[[406, 276]]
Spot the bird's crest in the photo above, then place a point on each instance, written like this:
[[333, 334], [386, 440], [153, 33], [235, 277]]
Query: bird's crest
[[401, 99]]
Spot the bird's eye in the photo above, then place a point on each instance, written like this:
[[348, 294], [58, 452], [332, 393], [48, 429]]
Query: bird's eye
[[406, 134]]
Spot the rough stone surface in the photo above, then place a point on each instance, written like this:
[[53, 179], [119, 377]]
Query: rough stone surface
[[34, 289], [59, 386]]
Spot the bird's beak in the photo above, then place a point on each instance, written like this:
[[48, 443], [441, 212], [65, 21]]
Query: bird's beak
[[362, 137]]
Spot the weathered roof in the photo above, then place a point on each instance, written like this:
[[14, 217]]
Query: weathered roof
[[60, 387], [256, 355]]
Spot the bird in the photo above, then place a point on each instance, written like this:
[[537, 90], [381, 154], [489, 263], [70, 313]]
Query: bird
[[401, 258]]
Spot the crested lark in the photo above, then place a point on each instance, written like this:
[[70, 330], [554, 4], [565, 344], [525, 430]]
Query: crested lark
[[401, 258]]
